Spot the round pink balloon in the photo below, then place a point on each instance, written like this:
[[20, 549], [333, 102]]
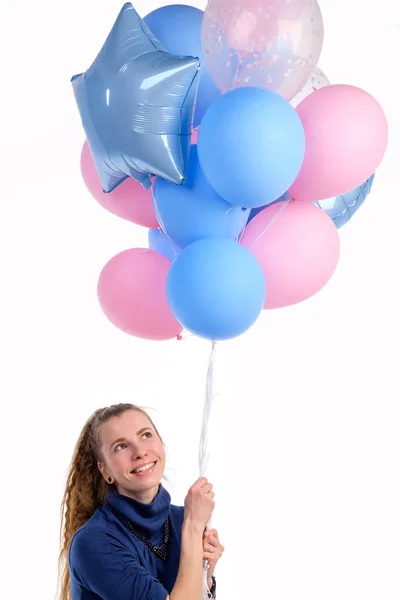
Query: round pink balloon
[[129, 200], [346, 137], [132, 293], [298, 247]]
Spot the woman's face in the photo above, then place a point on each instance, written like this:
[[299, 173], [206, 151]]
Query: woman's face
[[128, 443]]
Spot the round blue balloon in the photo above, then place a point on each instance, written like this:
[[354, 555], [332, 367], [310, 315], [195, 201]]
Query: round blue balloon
[[194, 211], [251, 146], [160, 243], [178, 27], [342, 208], [216, 288]]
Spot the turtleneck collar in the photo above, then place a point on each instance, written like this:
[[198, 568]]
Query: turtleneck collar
[[148, 518]]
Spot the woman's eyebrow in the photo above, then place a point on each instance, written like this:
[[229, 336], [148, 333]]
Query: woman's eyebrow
[[119, 440]]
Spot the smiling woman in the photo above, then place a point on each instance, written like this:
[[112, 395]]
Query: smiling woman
[[133, 455], [122, 539]]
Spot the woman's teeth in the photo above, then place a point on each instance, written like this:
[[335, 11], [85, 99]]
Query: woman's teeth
[[146, 468]]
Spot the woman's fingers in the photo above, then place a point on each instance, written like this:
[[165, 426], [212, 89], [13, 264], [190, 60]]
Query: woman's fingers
[[208, 547], [212, 541], [212, 532]]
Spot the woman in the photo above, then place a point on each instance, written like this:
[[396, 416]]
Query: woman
[[122, 539]]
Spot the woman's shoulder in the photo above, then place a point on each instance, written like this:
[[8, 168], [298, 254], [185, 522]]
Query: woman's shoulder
[[98, 529]]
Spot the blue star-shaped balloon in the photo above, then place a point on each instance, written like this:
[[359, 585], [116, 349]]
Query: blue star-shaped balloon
[[342, 208], [339, 208], [136, 103]]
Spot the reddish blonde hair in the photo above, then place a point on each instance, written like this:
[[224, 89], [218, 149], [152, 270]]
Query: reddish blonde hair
[[85, 489]]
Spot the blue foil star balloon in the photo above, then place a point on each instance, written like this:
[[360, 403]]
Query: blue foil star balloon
[[342, 208], [137, 102]]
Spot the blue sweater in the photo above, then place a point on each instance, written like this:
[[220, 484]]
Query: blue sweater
[[108, 562]]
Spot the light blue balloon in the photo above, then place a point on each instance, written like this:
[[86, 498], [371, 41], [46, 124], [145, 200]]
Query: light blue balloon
[[216, 288], [178, 27], [251, 146], [342, 208], [160, 243], [137, 103], [194, 210]]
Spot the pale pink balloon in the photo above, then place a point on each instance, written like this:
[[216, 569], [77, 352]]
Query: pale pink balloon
[[132, 294], [298, 247], [346, 138], [129, 200]]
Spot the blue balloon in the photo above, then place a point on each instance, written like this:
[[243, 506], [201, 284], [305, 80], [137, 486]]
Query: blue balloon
[[216, 288], [178, 27], [194, 210], [136, 103], [342, 208], [251, 146], [160, 243]]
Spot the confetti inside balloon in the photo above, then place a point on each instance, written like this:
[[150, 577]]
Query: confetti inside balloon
[[317, 81], [274, 44]]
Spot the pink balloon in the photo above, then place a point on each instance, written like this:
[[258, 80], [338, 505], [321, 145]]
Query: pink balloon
[[346, 138], [298, 251], [129, 200], [132, 293], [195, 135]]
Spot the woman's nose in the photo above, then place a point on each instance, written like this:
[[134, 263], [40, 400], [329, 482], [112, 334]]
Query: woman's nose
[[138, 453]]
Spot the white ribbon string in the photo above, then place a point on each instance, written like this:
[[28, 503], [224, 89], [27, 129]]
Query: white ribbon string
[[203, 445], [285, 203]]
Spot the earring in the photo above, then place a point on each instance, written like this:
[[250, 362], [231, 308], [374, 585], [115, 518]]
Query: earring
[[110, 480]]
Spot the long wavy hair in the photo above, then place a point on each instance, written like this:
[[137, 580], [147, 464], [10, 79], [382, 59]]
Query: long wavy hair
[[86, 489]]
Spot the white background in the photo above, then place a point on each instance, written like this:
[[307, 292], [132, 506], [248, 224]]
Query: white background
[[306, 444]]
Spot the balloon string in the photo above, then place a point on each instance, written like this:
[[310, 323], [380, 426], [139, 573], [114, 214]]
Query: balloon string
[[203, 449], [241, 234], [203, 445], [276, 215]]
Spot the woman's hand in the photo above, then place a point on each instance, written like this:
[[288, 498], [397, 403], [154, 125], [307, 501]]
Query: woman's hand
[[212, 551], [199, 503]]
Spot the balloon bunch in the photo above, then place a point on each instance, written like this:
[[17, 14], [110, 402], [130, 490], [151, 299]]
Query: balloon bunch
[[218, 131]]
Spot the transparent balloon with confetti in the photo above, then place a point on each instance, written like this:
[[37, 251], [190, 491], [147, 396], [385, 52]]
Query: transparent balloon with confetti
[[317, 81], [274, 44]]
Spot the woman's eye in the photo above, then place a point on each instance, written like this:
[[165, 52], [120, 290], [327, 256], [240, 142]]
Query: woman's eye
[[148, 433], [122, 445]]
